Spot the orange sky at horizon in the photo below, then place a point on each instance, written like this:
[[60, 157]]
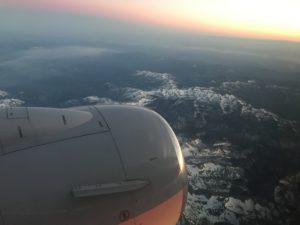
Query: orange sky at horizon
[[266, 19]]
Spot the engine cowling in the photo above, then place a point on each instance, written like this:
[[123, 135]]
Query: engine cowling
[[89, 165]]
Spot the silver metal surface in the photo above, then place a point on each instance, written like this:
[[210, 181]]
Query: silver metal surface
[[88, 166], [1, 219]]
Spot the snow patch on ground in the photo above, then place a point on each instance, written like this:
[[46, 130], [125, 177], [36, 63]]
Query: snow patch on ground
[[203, 210], [250, 209], [99, 100], [3, 94], [7, 101], [11, 102]]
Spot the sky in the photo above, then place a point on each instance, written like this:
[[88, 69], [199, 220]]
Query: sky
[[266, 19]]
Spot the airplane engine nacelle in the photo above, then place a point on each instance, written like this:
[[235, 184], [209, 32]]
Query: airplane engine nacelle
[[102, 165]]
